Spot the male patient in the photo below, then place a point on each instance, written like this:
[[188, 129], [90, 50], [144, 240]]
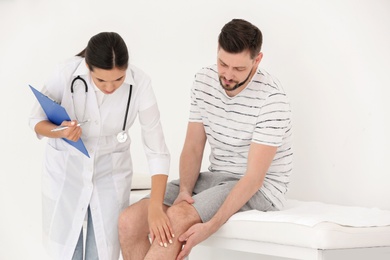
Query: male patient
[[244, 114]]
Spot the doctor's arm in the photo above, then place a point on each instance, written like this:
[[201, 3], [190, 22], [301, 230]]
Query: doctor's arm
[[159, 224], [73, 132], [158, 159]]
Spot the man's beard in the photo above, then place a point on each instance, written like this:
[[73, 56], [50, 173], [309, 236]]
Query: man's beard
[[237, 84]]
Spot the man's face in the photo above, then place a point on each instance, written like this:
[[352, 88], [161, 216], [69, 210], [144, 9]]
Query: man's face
[[235, 68]]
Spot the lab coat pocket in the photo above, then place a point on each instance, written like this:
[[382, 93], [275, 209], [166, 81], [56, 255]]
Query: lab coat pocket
[[122, 175], [54, 172]]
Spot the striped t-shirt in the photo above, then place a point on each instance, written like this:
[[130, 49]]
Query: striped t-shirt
[[260, 113]]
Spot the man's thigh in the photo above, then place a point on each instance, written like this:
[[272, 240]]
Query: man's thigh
[[211, 190], [209, 193]]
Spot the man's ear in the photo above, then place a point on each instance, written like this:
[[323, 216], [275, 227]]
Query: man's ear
[[258, 58]]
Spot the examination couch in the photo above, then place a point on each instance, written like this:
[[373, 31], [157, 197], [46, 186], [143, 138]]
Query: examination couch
[[309, 230]]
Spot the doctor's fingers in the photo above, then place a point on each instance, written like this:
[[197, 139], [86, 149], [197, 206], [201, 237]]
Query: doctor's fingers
[[73, 133], [69, 123], [162, 235]]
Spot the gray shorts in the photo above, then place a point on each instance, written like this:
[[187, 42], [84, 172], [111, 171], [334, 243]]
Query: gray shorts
[[211, 190]]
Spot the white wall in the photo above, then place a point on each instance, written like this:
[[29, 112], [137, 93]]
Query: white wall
[[332, 57]]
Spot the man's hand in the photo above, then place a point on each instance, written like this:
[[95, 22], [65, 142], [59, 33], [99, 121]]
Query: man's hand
[[193, 236], [184, 196]]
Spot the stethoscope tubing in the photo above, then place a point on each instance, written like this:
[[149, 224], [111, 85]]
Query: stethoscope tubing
[[78, 78], [127, 107]]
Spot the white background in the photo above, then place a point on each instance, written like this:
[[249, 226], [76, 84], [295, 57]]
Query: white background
[[332, 57]]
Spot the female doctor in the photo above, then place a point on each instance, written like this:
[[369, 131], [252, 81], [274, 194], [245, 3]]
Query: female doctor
[[98, 87]]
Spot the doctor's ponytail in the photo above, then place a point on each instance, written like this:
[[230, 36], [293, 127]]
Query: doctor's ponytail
[[106, 50]]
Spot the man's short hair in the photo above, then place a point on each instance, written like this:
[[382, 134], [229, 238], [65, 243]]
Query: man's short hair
[[239, 35]]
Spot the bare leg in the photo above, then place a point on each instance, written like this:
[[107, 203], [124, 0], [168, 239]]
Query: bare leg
[[133, 231], [182, 216]]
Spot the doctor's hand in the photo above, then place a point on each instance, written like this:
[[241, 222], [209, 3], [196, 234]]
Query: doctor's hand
[[160, 228], [73, 132]]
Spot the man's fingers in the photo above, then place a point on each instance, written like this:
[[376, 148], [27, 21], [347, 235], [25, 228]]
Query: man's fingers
[[185, 251]]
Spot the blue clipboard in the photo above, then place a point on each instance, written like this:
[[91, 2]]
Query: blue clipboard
[[57, 114]]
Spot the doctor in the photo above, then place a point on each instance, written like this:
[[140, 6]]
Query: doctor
[[109, 94]]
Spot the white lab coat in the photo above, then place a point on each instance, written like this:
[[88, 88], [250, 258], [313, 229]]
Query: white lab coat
[[72, 181]]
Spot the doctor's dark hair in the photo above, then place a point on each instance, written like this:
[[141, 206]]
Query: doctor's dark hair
[[239, 35], [106, 50]]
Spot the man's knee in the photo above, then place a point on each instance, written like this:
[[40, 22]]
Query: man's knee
[[183, 213]]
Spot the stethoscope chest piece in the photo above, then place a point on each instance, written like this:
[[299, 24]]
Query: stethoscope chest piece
[[122, 137]]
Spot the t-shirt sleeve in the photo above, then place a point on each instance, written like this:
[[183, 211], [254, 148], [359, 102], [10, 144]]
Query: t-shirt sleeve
[[195, 115], [273, 120]]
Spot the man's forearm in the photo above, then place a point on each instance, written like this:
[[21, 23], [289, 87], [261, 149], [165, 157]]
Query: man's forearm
[[239, 195], [189, 171]]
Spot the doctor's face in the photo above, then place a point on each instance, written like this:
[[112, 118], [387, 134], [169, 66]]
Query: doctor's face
[[108, 80]]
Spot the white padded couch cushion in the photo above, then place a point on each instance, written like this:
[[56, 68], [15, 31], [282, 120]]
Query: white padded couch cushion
[[311, 213], [141, 181], [307, 224], [322, 236], [313, 225], [136, 195]]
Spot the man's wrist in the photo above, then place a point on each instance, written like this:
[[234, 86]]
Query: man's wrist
[[214, 224]]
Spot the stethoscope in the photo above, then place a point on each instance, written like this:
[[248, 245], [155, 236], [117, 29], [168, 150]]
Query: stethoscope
[[121, 136]]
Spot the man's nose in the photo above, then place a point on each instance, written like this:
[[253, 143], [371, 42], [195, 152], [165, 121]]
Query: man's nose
[[229, 74]]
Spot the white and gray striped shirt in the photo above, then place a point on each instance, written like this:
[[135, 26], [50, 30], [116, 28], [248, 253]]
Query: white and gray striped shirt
[[260, 113]]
